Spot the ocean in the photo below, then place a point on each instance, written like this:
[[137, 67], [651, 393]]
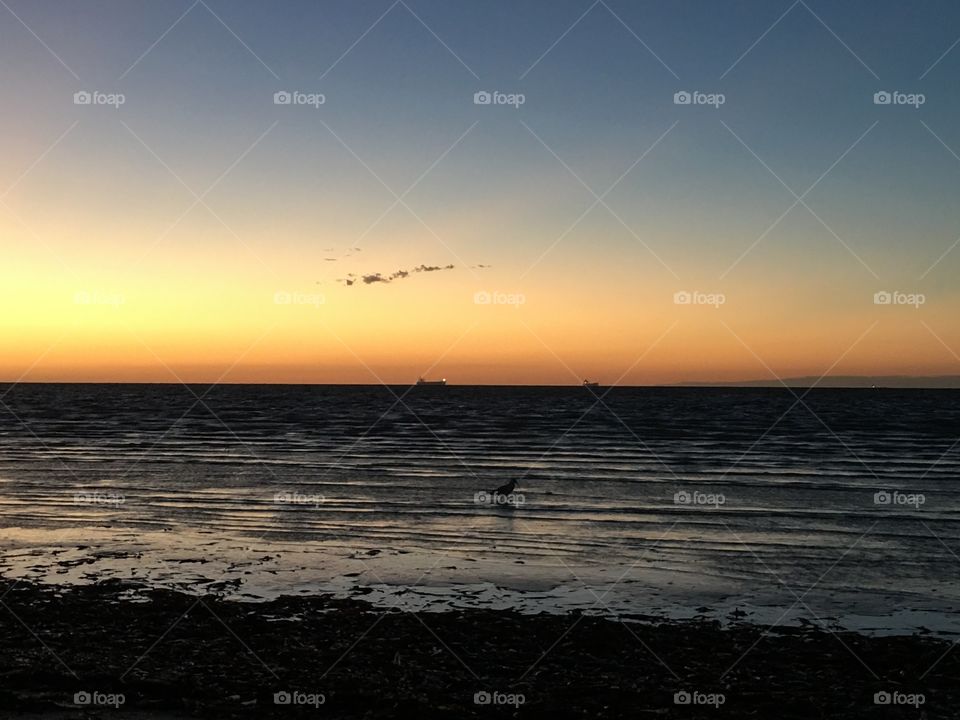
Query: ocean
[[743, 504]]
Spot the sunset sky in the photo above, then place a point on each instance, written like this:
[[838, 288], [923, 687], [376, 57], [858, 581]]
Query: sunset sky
[[201, 232]]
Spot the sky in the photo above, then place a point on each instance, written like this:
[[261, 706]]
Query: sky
[[186, 224]]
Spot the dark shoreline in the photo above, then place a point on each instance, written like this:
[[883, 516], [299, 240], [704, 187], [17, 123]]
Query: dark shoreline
[[175, 655]]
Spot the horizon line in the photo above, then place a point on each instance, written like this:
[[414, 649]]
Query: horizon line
[[857, 383]]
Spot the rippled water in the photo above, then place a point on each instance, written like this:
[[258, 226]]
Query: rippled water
[[321, 472]]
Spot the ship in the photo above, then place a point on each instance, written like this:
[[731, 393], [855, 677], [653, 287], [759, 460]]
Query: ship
[[590, 384], [433, 383]]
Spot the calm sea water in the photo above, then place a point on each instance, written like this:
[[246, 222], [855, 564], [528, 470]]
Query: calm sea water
[[648, 498]]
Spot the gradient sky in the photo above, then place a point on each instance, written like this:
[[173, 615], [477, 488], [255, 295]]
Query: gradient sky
[[111, 268]]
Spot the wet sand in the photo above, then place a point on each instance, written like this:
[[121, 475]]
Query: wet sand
[[171, 654], [415, 579]]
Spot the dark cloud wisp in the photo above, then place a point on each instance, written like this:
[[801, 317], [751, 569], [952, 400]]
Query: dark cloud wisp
[[373, 278]]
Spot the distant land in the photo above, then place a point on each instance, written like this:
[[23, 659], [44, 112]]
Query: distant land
[[843, 381]]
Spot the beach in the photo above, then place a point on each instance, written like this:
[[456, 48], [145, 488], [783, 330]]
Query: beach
[[163, 654], [324, 554]]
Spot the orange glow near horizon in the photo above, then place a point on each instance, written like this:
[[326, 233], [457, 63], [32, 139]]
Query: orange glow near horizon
[[115, 276], [155, 331]]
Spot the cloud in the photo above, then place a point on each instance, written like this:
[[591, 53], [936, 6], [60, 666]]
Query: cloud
[[373, 278], [350, 252]]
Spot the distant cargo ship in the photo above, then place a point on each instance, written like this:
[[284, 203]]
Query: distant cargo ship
[[590, 384], [421, 381]]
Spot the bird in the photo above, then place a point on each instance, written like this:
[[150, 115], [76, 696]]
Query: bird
[[504, 489]]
